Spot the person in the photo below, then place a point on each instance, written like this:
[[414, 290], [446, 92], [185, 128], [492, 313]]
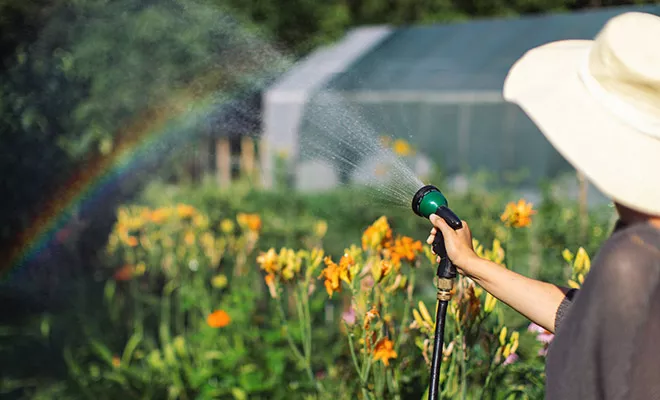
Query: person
[[598, 103]]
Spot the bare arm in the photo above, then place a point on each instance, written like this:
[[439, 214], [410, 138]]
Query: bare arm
[[534, 299]]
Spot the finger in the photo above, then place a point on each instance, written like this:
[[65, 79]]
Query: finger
[[465, 226], [441, 225], [438, 259], [429, 240]]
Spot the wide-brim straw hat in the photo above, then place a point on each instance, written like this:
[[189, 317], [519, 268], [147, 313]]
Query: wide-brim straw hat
[[598, 103]]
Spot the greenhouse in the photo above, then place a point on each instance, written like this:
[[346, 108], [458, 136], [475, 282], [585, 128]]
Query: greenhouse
[[437, 86]]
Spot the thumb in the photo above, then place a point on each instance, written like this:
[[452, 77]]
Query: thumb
[[440, 223]]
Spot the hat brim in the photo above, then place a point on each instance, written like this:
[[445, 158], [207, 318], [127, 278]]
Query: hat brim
[[620, 161]]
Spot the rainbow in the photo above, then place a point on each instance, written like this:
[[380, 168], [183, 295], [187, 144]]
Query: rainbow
[[151, 132]]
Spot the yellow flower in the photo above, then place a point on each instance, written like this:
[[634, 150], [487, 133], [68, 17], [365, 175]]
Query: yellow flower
[[219, 281], [218, 319], [513, 339], [405, 248], [320, 229], [568, 256], [518, 215], [132, 241], [189, 238], [315, 258], [207, 240], [496, 254], [227, 226], [334, 273], [290, 263], [185, 210], [269, 261], [160, 215], [503, 336], [490, 303], [354, 251], [251, 222], [201, 221], [572, 284], [381, 269], [582, 263], [384, 351], [581, 267], [331, 274], [370, 316], [378, 235], [402, 148], [422, 319], [270, 282], [116, 361], [425, 312]]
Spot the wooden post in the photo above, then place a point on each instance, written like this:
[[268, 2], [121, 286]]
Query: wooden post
[[265, 166], [223, 161], [583, 212], [247, 157]]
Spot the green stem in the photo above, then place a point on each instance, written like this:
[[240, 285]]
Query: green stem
[[289, 339], [392, 383], [302, 307], [363, 381], [463, 369], [406, 313], [308, 335], [366, 371], [365, 393], [301, 322], [354, 357], [489, 376], [308, 322]]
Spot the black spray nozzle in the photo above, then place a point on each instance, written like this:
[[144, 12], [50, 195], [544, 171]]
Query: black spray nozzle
[[427, 201]]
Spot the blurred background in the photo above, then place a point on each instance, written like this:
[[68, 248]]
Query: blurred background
[[152, 150]]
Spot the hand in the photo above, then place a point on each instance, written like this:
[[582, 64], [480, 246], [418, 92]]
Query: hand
[[457, 242]]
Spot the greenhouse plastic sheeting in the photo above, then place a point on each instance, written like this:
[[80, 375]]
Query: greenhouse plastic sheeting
[[468, 56], [439, 87]]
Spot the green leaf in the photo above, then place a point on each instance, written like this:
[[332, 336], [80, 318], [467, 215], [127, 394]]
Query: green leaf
[[102, 351], [131, 345]]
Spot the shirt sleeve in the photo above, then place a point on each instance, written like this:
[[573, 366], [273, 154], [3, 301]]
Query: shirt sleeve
[[564, 306]]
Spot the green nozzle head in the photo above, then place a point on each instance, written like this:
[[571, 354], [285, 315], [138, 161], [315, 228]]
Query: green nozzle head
[[427, 200]]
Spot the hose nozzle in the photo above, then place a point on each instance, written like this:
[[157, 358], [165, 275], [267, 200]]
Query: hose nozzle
[[429, 200]]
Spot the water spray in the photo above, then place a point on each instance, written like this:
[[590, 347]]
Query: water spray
[[429, 200]]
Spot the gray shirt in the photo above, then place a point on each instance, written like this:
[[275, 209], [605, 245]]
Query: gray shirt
[[607, 334]]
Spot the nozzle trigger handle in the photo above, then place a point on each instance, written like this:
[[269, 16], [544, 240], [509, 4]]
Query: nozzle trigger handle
[[445, 268]]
